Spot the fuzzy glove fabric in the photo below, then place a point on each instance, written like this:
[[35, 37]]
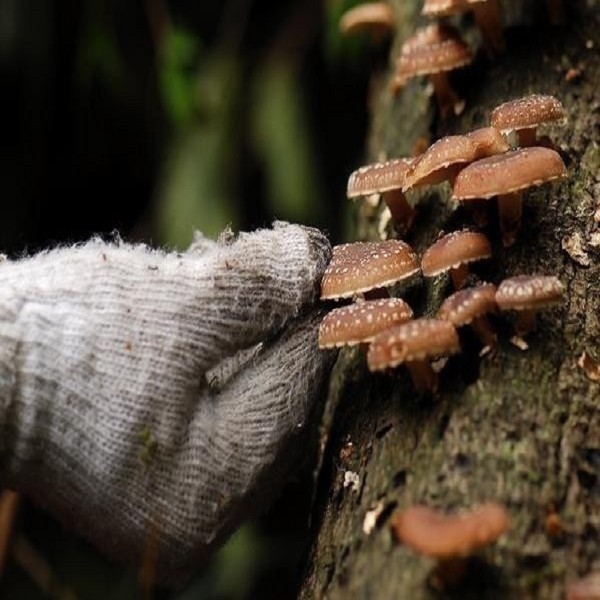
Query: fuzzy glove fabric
[[143, 391]]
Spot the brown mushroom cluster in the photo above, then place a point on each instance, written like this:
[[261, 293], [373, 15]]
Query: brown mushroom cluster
[[496, 163], [437, 49], [364, 271], [479, 165]]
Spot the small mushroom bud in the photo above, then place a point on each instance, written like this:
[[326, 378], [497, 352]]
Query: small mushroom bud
[[367, 268], [506, 176], [452, 539], [525, 115], [413, 344], [360, 323], [387, 179], [528, 294], [376, 18], [469, 307], [433, 51], [453, 252]]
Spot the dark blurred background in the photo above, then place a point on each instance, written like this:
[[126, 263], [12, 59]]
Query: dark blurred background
[[151, 119], [155, 117]]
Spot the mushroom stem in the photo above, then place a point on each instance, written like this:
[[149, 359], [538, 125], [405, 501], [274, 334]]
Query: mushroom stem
[[459, 275], [526, 322], [527, 137], [403, 213], [376, 294], [487, 17], [448, 101], [484, 331], [424, 378], [510, 209]]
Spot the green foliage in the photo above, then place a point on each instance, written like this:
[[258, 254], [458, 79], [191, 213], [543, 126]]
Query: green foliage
[[234, 569], [196, 189], [178, 64]]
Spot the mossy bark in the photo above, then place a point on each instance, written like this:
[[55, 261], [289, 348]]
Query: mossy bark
[[521, 428]]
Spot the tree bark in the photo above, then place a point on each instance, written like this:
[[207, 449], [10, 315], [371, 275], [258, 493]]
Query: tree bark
[[517, 427]]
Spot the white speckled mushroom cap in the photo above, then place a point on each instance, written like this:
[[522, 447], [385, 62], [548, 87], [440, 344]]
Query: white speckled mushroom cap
[[529, 292], [526, 113], [415, 340], [465, 305], [432, 166], [378, 177], [432, 49], [361, 322], [368, 16], [363, 266], [455, 249], [509, 172]]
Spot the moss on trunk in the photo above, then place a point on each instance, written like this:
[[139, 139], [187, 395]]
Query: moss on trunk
[[521, 428]]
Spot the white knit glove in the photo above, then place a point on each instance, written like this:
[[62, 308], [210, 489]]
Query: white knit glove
[[126, 406]]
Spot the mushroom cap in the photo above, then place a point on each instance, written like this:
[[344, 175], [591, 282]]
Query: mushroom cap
[[368, 16], [529, 292], [432, 166], [439, 535], [440, 8], [454, 249], [361, 322], [465, 305], [488, 141], [378, 177], [363, 266], [528, 112], [432, 49], [508, 173], [415, 340]]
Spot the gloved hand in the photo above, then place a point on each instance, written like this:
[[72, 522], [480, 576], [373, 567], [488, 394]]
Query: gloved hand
[[145, 392]]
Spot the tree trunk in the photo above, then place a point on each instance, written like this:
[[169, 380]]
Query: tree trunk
[[517, 427]]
